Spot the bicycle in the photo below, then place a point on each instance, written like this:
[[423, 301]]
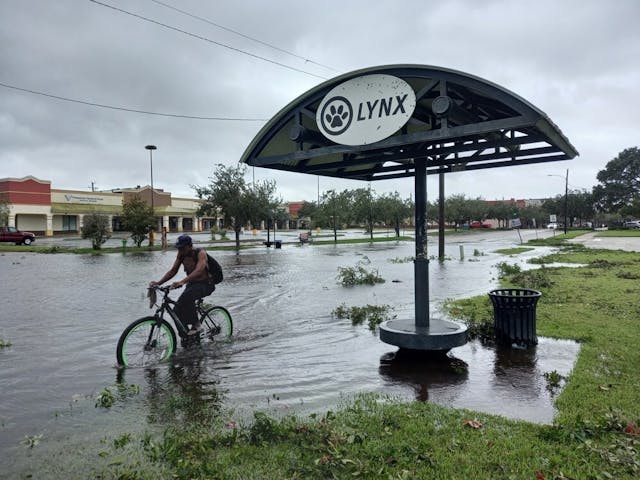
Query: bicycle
[[151, 340]]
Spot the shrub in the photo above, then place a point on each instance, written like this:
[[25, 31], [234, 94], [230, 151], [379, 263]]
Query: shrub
[[374, 315], [96, 227], [358, 275], [535, 279], [506, 270]]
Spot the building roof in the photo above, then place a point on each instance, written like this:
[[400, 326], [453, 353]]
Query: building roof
[[460, 122]]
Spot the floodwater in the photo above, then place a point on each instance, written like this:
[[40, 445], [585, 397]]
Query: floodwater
[[64, 313]]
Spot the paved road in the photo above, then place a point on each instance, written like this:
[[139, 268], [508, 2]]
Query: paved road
[[591, 240]]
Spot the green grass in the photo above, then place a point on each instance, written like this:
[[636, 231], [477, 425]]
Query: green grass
[[558, 239], [595, 434]]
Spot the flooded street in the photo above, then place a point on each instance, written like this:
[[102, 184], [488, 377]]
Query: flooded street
[[64, 313]]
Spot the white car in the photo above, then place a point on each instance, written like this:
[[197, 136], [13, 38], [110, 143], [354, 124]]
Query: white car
[[553, 225], [632, 224]]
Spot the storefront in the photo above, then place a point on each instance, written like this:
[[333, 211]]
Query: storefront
[[34, 206]]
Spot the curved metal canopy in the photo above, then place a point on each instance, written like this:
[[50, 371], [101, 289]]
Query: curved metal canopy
[[474, 124]]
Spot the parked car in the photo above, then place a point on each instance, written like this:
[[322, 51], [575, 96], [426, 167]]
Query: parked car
[[479, 225], [552, 225], [13, 235], [631, 224]]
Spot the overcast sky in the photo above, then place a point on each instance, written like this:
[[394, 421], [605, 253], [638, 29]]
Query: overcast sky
[[576, 60]]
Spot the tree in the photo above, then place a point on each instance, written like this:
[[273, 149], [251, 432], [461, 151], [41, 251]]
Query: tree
[[238, 202], [363, 208], [454, 209], [4, 211], [532, 216], [309, 210], [458, 209], [503, 211], [619, 183], [393, 210], [96, 227], [581, 206], [336, 210], [137, 218]]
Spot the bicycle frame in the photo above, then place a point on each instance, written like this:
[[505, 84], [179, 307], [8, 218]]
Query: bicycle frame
[[166, 306]]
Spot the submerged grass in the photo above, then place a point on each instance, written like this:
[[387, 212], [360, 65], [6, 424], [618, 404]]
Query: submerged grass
[[373, 315], [594, 436], [253, 243], [514, 251], [362, 240]]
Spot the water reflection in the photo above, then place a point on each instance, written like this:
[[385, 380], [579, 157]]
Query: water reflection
[[423, 371], [181, 393], [516, 368], [486, 377]]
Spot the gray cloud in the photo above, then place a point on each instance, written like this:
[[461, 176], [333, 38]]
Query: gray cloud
[[575, 60]]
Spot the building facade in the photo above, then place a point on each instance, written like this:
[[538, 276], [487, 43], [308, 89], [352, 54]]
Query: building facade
[[36, 207]]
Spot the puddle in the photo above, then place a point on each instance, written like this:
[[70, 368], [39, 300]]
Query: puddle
[[493, 379]]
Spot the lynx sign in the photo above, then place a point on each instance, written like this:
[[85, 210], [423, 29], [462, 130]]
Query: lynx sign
[[365, 109]]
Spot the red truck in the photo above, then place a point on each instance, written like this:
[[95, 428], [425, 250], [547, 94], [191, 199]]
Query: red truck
[[13, 235]]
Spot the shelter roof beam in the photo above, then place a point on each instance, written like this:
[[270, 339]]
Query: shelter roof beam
[[430, 136]]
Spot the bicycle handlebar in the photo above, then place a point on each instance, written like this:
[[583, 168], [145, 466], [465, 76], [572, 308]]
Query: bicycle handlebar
[[164, 289], [151, 294]]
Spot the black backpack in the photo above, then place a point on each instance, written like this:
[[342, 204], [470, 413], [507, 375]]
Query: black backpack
[[214, 269]]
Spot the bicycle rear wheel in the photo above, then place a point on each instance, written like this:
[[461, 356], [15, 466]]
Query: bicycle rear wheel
[[217, 323], [146, 341]]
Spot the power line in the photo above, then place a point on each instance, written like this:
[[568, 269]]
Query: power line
[[200, 37], [205, 20], [111, 107]]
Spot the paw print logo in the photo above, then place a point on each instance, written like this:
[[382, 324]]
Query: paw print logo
[[336, 115]]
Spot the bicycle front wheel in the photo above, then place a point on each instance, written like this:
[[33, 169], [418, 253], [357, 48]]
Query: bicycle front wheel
[[217, 323], [146, 341]]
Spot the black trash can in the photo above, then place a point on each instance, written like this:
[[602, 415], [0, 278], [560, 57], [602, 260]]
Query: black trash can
[[514, 315], [278, 243]]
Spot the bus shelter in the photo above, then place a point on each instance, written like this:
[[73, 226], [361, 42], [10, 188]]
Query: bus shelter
[[397, 121]]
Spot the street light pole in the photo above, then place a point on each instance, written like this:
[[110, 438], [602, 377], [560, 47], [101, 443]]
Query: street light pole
[[151, 148], [566, 197]]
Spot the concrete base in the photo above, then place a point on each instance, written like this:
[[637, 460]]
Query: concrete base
[[440, 335]]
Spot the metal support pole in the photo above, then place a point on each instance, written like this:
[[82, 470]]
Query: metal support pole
[[441, 216], [566, 200], [421, 263]]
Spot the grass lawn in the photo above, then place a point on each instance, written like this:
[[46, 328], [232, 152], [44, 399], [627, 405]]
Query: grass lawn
[[594, 436]]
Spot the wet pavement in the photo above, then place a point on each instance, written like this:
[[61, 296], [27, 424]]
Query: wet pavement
[[64, 314], [592, 240]]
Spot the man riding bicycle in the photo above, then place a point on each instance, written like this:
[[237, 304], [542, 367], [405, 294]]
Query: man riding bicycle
[[198, 281]]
